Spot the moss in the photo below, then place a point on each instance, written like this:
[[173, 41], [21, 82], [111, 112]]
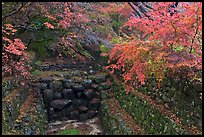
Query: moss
[[147, 116], [68, 132], [10, 110]]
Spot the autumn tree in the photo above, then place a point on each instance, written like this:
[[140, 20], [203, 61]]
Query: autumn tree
[[172, 44]]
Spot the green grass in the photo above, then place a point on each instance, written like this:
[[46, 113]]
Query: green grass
[[68, 132]]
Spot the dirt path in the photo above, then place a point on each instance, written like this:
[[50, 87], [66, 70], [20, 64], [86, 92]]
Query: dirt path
[[89, 127]]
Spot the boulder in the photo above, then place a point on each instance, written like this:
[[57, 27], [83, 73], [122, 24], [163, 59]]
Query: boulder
[[51, 110], [53, 117], [83, 117], [87, 83], [66, 113], [43, 68], [94, 86], [88, 93], [46, 79], [57, 95], [67, 83], [78, 88], [68, 94], [56, 85], [78, 102], [60, 104], [82, 108], [91, 113], [69, 109], [94, 104], [92, 71], [103, 86], [74, 114], [41, 86], [77, 79], [100, 79], [48, 96], [96, 95], [78, 94]]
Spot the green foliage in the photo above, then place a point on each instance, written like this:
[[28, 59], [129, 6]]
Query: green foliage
[[103, 48], [117, 40], [101, 29], [38, 62], [117, 21], [35, 73], [41, 48], [68, 132]]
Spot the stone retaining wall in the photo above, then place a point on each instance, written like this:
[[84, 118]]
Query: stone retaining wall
[[67, 99]]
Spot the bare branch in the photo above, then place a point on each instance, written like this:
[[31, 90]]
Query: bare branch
[[15, 11]]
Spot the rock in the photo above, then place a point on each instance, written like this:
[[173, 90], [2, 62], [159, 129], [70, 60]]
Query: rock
[[88, 93], [83, 117], [59, 104], [103, 86], [94, 86], [67, 83], [79, 102], [82, 108], [43, 67], [53, 117], [74, 114], [78, 88], [56, 85], [85, 73], [51, 110], [100, 79], [77, 79], [48, 96], [94, 104], [92, 72], [87, 83], [28, 131], [46, 80], [57, 95], [67, 111], [91, 114], [32, 84], [68, 94], [96, 95], [41, 86], [78, 94], [53, 67]]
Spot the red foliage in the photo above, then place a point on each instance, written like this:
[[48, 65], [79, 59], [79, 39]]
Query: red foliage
[[15, 61], [139, 59], [48, 25]]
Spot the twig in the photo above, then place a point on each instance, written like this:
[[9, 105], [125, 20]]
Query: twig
[[15, 11]]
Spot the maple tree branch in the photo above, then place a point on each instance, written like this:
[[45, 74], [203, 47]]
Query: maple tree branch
[[137, 11], [191, 48], [15, 11]]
